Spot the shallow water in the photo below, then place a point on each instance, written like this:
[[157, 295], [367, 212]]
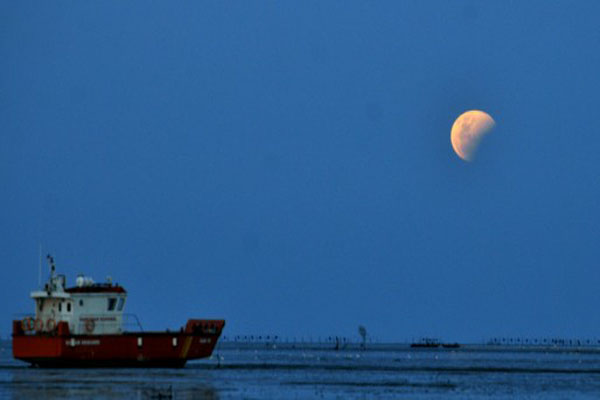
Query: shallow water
[[258, 372]]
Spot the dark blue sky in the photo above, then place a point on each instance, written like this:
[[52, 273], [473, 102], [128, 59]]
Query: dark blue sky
[[287, 165]]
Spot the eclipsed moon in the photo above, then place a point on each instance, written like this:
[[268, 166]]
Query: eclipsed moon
[[468, 130]]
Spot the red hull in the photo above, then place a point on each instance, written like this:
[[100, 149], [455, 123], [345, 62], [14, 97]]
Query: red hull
[[143, 349]]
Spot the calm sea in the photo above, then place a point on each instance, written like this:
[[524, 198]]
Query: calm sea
[[275, 372]]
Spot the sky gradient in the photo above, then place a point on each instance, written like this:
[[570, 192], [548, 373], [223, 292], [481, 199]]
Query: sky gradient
[[287, 166]]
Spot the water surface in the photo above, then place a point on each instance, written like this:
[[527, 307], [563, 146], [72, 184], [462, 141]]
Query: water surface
[[304, 372]]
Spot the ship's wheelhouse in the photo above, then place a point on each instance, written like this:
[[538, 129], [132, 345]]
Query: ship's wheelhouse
[[88, 308]]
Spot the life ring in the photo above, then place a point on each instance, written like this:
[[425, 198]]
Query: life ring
[[38, 325], [27, 324], [90, 325], [50, 324]]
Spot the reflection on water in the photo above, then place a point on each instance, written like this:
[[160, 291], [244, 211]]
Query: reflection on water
[[25, 383], [308, 373]]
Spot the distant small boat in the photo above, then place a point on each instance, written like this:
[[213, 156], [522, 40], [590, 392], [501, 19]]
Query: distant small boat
[[450, 345], [426, 343]]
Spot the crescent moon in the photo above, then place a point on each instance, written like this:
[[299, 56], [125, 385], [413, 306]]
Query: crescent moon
[[468, 130]]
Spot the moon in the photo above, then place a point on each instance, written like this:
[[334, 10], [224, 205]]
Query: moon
[[468, 130]]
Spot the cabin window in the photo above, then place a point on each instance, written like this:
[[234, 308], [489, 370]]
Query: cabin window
[[69, 307], [59, 307], [81, 303], [121, 304], [111, 304]]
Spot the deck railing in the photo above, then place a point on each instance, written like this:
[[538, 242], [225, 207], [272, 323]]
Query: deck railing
[[95, 324]]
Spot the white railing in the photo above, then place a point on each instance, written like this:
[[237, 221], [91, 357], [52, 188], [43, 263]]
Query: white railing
[[91, 324]]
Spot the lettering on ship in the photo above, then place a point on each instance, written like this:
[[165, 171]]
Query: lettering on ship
[[74, 342]]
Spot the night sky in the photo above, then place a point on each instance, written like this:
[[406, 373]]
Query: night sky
[[287, 165]]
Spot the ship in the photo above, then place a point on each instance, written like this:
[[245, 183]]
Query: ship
[[429, 343], [83, 326]]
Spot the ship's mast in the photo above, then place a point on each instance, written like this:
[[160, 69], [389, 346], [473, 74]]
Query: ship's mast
[[40, 269], [52, 267]]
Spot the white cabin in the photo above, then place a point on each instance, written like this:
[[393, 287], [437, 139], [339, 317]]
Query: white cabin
[[89, 308]]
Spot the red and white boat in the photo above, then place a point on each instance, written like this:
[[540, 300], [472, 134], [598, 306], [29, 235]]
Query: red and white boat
[[82, 326]]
